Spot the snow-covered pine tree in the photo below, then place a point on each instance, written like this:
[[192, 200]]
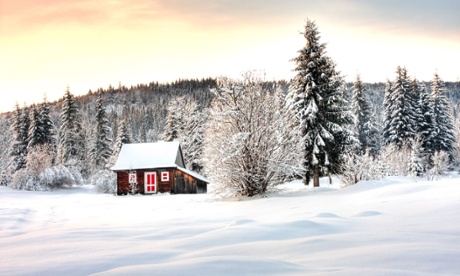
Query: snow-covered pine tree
[[6, 147], [317, 96], [443, 138], [122, 138], [192, 135], [386, 111], [19, 143], [35, 134], [102, 147], [72, 142], [424, 115], [173, 126], [47, 124], [400, 112], [365, 128]]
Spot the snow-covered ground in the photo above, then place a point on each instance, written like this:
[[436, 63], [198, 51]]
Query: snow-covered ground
[[397, 226]]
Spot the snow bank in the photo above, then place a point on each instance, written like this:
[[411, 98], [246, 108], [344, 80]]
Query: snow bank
[[396, 226]]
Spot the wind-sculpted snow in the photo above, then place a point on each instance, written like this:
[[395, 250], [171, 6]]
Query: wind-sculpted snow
[[396, 226]]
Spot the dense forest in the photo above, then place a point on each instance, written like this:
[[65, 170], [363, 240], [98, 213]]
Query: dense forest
[[144, 108]]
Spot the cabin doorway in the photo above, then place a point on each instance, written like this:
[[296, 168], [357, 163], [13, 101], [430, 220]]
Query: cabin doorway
[[150, 182]]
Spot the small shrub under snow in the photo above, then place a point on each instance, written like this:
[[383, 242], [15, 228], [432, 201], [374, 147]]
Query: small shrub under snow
[[105, 181], [49, 179]]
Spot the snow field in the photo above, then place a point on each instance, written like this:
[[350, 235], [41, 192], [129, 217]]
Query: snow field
[[397, 226]]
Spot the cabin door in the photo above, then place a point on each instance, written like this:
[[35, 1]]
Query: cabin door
[[150, 182]]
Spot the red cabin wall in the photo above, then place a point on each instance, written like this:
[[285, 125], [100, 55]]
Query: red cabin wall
[[178, 183]]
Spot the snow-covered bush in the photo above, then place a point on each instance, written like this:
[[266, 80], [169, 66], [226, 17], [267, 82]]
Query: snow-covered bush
[[356, 167], [105, 181], [440, 162], [250, 145], [39, 159], [395, 160], [417, 162], [51, 178], [59, 177], [5, 178]]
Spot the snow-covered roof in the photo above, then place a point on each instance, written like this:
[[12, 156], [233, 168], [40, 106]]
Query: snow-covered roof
[[149, 155], [194, 174]]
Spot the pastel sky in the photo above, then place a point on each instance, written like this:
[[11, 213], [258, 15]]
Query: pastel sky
[[47, 45]]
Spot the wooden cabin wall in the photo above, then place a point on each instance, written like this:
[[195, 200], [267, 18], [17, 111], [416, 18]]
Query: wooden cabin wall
[[201, 187], [167, 186], [123, 186], [122, 183], [179, 182], [184, 183]]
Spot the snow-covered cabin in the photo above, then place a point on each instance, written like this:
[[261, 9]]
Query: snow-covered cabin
[[156, 167]]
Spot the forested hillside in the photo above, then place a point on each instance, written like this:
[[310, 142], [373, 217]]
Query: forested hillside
[[149, 111]]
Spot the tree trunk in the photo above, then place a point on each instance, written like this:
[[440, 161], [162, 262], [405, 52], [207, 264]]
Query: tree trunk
[[306, 179], [316, 176]]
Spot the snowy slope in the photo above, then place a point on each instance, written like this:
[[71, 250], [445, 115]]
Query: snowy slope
[[396, 226]]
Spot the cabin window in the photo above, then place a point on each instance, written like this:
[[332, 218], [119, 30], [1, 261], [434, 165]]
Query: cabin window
[[150, 182], [164, 176], [132, 178]]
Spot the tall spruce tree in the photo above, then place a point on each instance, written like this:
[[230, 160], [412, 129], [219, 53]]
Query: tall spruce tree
[[174, 120], [400, 110], [102, 148], [35, 134], [365, 129], [387, 114], [443, 138], [424, 114], [192, 135], [47, 124], [122, 138], [317, 96], [72, 142], [19, 143]]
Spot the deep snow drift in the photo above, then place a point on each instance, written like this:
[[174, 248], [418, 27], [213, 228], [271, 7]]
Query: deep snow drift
[[397, 226]]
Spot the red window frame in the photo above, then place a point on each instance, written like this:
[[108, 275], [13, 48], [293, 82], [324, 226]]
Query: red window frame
[[164, 176]]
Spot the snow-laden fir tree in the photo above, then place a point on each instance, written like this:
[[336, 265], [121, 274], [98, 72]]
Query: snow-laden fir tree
[[443, 135], [102, 147], [192, 135], [173, 126], [72, 142], [365, 128], [6, 143], [47, 124], [247, 142], [185, 123], [317, 96], [400, 110], [36, 133], [19, 129], [386, 114], [424, 115], [122, 138]]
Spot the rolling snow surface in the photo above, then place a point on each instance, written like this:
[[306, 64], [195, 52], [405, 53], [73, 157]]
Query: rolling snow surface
[[397, 226]]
